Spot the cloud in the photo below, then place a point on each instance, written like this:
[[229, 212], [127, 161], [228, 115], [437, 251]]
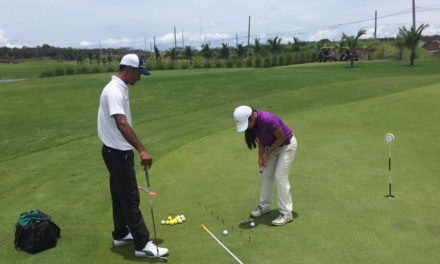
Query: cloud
[[4, 41], [431, 30], [3, 38], [324, 34], [86, 43]]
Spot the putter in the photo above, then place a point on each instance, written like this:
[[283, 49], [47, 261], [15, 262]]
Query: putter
[[248, 220], [163, 259]]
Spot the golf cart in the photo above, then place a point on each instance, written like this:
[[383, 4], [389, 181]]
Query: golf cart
[[346, 56], [327, 54]]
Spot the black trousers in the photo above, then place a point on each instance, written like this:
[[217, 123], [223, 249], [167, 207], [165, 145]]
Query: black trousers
[[125, 196]]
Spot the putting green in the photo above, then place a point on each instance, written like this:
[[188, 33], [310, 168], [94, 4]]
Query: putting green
[[339, 181], [205, 171]]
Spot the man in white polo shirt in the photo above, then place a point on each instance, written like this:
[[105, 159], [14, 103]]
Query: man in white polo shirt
[[118, 138]]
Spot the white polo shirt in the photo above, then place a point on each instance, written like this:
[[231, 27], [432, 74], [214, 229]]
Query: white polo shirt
[[114, 100]]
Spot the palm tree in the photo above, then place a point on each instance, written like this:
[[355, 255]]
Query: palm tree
[[274, 45], [370, 47], [189, 53], [399, 42], [241, 51], [412, 38], [206, 51], [172, 53], [257, 47], [351, 42], [297, 44], [157, 53], [224, 52]]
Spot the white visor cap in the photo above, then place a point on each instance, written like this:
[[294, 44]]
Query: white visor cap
[[241, 117]]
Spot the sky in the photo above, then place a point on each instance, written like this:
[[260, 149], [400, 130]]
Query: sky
[[138, 24]]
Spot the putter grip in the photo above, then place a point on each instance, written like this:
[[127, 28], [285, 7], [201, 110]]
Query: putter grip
[[148, 178]]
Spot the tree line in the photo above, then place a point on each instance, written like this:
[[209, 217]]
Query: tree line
[[259, 54]]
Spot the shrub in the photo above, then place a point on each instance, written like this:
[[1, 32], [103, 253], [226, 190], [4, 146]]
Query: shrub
[[266, 63], [159, 66], [249, 63], [281, 60], [171, 66], [257, 63], [185, 65], [58, 72], [274, 62], [207, 65], [83, 70], [46, 74], [289, 59], [70, 71], [219, 64], [239, 63], [229, 64], [111, 69], [95, 69]]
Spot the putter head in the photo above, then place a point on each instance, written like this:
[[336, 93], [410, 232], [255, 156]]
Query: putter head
[[243, 222]]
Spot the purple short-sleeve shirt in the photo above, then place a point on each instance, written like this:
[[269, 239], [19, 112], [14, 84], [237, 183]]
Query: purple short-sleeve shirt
[[266, 124]]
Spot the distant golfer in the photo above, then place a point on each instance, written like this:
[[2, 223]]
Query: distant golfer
[[116, 132], [276, 151]]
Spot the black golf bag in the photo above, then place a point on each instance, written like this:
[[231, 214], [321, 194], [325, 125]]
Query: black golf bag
[[35, 232]]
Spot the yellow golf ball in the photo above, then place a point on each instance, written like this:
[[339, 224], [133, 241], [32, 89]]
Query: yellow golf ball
[[167, 222], [169, 218], [183, 219]]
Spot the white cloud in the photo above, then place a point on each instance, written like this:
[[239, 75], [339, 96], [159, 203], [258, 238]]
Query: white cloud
[[431, 30], [3, 38], [324, 34], [4, 41], [86, 43]]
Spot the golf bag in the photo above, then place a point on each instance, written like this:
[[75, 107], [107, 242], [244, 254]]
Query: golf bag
[[35, 232]]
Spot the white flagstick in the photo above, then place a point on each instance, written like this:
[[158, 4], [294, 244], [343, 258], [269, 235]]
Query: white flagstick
[[232, 254], [389, 138]]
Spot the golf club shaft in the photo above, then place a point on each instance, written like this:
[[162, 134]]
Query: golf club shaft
[[216, 239], [255, 192], [151, 207], [146, 191]]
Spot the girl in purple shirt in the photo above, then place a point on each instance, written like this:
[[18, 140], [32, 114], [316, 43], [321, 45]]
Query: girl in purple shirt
[[276, 151]]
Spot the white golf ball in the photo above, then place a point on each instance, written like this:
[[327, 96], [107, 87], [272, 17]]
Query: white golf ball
[[179, 220], [225, 232], [252, 224], [162, 222]]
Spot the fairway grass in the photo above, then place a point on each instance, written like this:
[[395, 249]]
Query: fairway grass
[[203, 169]]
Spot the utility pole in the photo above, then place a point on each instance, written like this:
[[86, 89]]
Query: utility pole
[[249, 36], [183, 40], [375, 25], [414, 13], [175, 38]]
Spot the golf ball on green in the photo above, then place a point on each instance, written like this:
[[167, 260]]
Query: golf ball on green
[[225, 232], [163, 222], [252, 224]]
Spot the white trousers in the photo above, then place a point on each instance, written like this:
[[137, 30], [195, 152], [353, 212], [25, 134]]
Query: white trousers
[[277, 168]]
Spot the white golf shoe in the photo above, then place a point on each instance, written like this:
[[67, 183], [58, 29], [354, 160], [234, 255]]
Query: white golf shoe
[[150, 251], [259, 211], [128, 239], [282, 219]]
